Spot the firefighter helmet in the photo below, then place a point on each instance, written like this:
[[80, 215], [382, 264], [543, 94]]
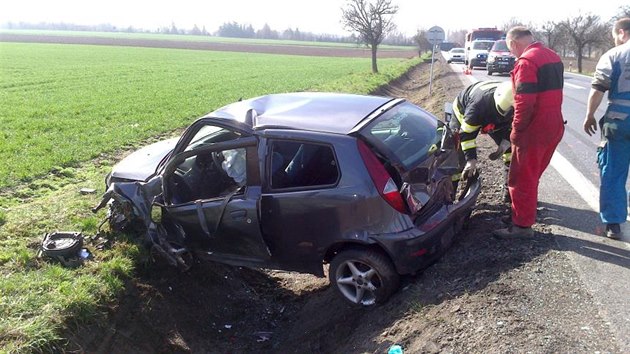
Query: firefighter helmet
[[504, 99]]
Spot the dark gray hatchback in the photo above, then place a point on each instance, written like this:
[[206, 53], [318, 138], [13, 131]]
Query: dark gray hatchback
[[296, 181]]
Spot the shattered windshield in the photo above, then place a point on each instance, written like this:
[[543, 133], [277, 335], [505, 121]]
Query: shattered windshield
[[209, 134]]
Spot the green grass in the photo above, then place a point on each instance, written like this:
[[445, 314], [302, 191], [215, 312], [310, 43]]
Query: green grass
[[62, 104], [191, 38], [66, 111]]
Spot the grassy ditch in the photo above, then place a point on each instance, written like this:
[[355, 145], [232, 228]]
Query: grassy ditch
[[67, 113]]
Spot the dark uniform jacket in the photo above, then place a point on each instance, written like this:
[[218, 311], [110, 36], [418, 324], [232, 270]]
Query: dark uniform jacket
[[476, 112]]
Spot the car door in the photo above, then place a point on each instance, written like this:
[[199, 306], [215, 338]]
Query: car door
[[212, 191], [301, 205]]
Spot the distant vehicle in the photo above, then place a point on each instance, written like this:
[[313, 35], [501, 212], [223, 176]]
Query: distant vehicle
[[455, 54], [500, 60], [486, 33], [477, 54]]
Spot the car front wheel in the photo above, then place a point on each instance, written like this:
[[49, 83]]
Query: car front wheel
[[363, 277]]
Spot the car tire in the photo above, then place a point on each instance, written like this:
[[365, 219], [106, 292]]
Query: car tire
[[363, 276], [448, 62]]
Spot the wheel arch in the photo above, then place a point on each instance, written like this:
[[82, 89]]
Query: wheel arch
[[338, 247]]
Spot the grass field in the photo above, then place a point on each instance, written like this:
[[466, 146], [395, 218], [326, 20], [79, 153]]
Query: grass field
[[67, 111], [61, 104]]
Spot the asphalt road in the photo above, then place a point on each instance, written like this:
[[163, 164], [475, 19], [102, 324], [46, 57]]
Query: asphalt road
[[568, 202]]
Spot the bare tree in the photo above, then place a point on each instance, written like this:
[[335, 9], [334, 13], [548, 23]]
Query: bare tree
[[552, 34], [458, 36], [422, 42], [371, 20], [512, 22], [624, 11], [584, 31]]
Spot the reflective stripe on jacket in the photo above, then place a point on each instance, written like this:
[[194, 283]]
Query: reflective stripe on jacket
[[475, 109]]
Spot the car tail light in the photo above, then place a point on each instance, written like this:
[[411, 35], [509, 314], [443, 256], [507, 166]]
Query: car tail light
[[382, 180]]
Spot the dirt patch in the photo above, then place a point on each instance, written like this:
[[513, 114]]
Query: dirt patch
[[484, 295]]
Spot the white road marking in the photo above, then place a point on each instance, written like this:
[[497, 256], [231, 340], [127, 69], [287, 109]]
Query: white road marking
[[582, 186], [575, 86]]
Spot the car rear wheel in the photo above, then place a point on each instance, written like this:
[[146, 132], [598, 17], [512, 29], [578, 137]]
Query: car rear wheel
[[363, 277]]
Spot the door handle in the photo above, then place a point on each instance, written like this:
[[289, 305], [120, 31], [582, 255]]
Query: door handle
[[238, 214]]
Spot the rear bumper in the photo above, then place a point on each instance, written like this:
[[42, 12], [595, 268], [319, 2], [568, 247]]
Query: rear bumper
[[417, 248], [477, 62]]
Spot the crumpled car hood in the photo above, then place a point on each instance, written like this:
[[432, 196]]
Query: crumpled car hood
[[141, 164]]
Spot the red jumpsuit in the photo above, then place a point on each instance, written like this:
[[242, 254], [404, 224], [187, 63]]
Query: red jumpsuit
[[537, 127]]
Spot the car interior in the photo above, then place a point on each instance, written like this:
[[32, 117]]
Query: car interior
[[205, 175], [295, 164]]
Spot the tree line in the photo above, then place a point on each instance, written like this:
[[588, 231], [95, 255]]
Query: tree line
[[228, 29]]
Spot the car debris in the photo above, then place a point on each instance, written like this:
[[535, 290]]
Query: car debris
[[86, 191], [65, 247]]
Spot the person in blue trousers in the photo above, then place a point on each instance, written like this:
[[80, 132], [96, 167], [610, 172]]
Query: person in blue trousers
[[612, 74]]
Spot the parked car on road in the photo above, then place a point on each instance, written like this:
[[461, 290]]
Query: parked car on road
[[455, 55], [298, 180], [477, 53], [500, 60]]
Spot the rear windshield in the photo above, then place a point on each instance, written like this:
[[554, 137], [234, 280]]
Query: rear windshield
[[458, 50], [482, 45], [405, 133]]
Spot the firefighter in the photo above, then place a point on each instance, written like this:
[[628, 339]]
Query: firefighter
[[484, 107]]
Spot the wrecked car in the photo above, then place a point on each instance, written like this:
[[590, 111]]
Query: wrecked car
[[297, 181]]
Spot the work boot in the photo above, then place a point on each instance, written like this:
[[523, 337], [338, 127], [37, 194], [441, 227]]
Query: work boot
[[514, 232], [506, 196], [613, 231], [505, 191]]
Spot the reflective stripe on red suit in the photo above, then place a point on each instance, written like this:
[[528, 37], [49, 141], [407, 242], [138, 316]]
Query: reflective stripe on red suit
[[537, 127]]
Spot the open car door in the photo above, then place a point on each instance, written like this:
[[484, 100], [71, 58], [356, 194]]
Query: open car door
[[212, 192]]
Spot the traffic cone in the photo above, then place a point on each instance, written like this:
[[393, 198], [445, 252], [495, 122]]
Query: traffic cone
[[467, 71]]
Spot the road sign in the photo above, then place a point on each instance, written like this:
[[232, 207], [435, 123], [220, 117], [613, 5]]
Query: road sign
[[435, 35]]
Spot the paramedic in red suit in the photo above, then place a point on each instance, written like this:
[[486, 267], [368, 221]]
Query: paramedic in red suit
[[537, 127]]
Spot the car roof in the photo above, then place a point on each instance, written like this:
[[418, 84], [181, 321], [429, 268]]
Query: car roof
[[314, 111]]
